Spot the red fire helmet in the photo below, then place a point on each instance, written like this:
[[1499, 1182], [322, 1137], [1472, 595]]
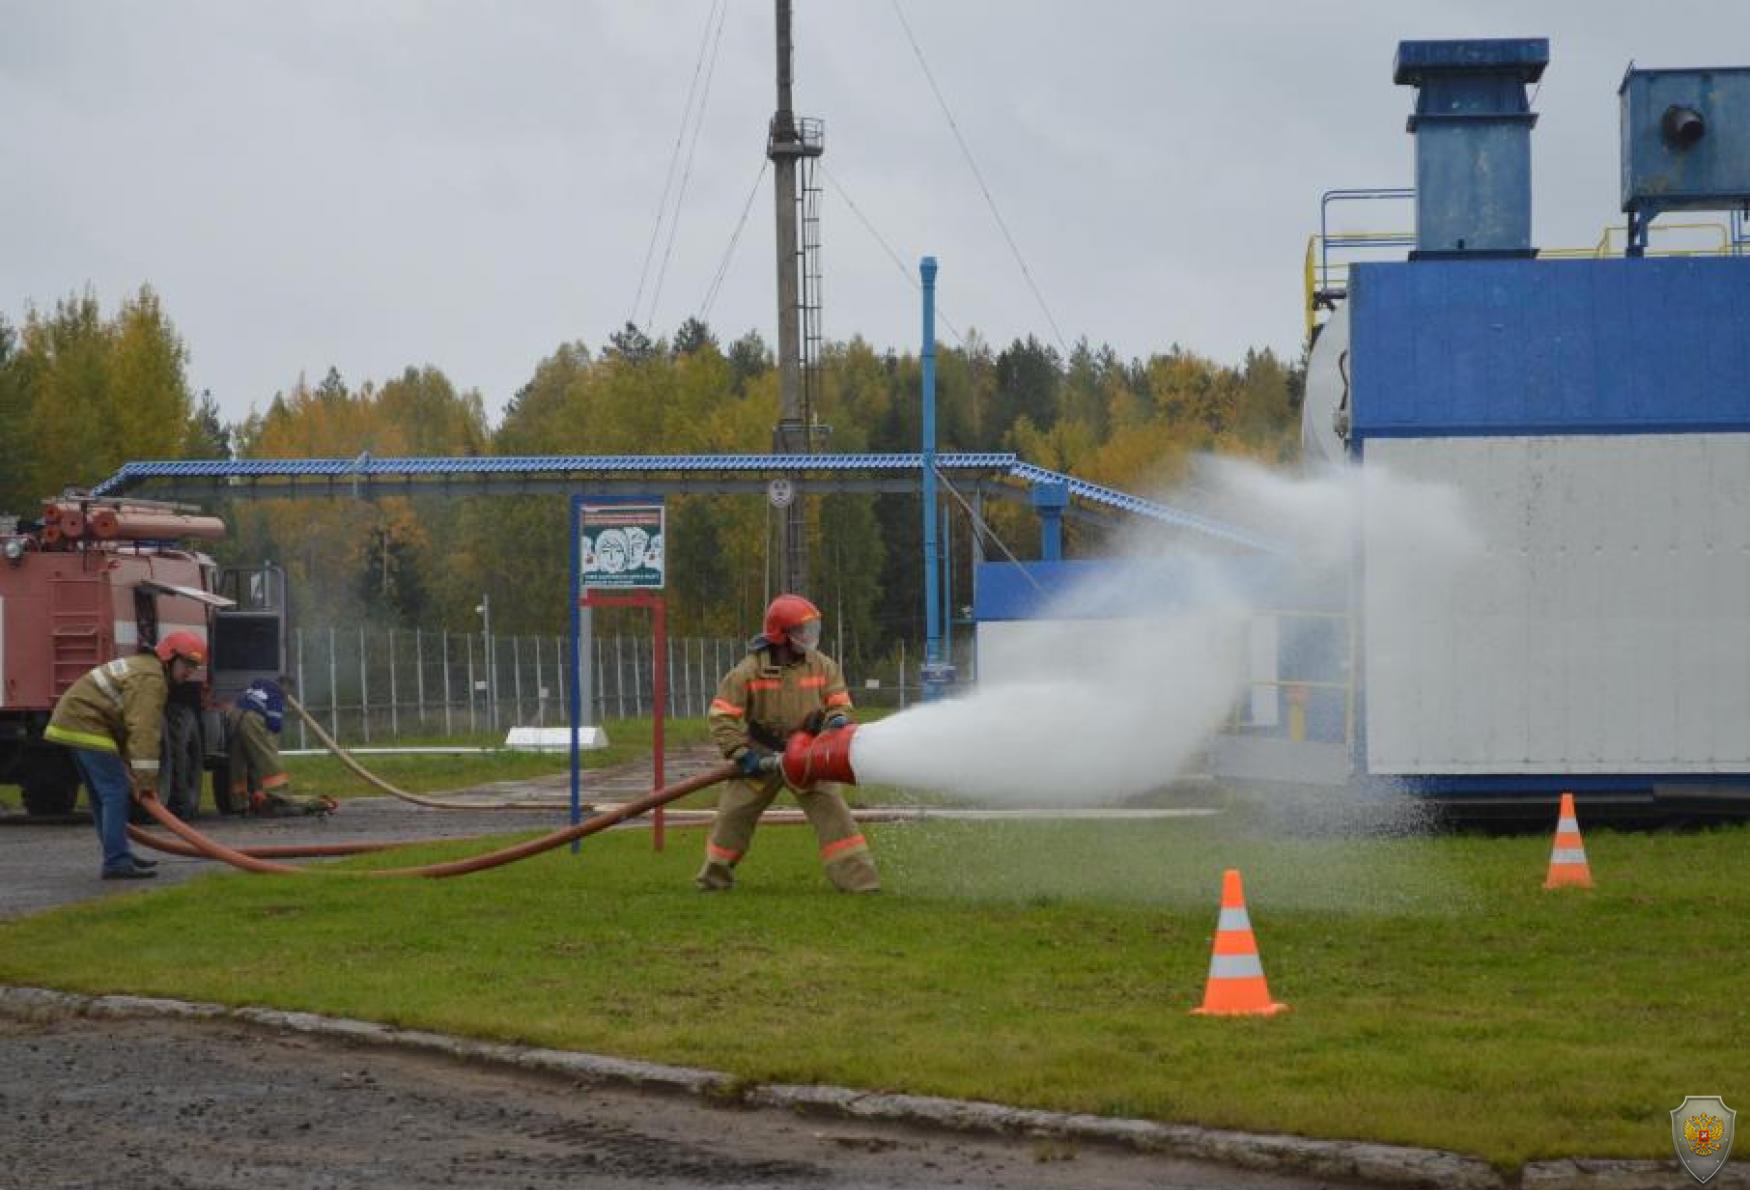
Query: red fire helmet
[[793, 618], [185, 645]]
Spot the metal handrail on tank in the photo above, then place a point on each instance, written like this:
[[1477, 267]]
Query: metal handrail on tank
[[1605, 247], [1326, 281]]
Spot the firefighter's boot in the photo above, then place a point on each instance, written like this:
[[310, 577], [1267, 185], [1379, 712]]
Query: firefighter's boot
[[267, 805], [715, 877], [739, 807]]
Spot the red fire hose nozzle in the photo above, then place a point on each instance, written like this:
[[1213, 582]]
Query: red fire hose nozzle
[[811, 760]]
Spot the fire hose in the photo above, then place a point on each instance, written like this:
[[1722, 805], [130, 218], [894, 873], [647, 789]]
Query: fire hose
[[351, 762], [807, 761], [212, 849], [677, 817]]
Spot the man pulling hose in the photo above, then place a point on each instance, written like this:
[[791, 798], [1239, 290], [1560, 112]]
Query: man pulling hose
[[116, 711]]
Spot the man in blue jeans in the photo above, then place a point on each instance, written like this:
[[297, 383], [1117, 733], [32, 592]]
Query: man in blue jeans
[[116, 711]]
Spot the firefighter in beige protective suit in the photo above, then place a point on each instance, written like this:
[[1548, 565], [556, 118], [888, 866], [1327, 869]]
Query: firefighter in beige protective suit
[[785, 684], [111, 719], [256, 780]]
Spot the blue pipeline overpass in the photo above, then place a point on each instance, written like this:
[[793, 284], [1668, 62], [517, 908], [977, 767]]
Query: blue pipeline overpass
[[972, 476]]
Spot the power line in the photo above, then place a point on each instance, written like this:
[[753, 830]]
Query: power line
[[734, 239], [898, 263], [978, 176], [673, 160], [692, 149]]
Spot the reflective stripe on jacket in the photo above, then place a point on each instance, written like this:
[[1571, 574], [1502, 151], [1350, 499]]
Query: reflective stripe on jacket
[[761, 703], [117, 707]]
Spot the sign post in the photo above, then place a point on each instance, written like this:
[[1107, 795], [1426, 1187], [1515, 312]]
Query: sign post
[[618, 559]]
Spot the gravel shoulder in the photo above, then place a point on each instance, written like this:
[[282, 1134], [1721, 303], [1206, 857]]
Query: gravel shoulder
[[185, 1104]]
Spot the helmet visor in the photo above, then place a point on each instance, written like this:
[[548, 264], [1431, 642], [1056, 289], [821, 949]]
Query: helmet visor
[[805, 635]]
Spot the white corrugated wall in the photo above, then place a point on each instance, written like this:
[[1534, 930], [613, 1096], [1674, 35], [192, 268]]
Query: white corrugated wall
[[1605, 628]]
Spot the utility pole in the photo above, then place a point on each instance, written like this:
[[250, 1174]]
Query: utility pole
[[792, 144], [484, 608]]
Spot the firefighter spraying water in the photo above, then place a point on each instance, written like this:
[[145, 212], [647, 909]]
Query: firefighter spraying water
[[783, 688]]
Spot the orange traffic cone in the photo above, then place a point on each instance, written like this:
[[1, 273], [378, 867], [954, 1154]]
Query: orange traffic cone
[[1567, 858], [1236, 978]]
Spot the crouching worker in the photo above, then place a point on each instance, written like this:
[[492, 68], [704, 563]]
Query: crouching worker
[[784, 684], [256, 779], [112, 718]]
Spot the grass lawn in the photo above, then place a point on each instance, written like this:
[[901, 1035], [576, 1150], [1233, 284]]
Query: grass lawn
[[1439, 996]]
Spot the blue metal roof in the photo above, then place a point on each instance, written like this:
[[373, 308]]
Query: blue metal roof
[[1444, 348], [366, 467]]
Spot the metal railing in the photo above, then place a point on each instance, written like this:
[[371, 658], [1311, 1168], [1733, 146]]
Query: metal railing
[[1314, 686], [1330, 255]]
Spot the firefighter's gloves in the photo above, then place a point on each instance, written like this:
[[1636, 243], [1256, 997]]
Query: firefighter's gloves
[[756, 762], [819, 721]]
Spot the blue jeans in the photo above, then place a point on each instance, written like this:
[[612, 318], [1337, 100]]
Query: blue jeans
[[106, 778]]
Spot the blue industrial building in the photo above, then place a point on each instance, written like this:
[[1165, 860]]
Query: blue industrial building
[[1594, 414], [1593, 417]]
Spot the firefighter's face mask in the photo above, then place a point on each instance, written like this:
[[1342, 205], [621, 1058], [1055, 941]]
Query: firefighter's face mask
[[805, 636]]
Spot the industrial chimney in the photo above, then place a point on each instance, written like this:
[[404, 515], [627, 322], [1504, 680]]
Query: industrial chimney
[[1472, 126]]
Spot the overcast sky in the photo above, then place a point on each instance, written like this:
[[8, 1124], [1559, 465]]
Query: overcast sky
[[370, 184]]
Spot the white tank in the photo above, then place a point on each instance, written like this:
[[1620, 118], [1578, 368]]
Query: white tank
[[1324, 416]]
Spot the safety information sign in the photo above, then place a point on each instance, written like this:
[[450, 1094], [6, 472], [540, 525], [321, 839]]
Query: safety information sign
[[622, 546]]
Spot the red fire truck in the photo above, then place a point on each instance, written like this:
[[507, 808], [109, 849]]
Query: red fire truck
[[98, 579]]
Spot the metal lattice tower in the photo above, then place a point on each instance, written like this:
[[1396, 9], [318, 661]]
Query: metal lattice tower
[[808, 217], [792, 142]]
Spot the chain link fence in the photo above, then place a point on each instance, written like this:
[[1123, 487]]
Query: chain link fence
[[378, 685]]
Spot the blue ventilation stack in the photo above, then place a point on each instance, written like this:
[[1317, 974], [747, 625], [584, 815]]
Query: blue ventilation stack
[[1473, 143]]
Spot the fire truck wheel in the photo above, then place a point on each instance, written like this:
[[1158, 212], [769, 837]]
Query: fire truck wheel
[[180, 779]]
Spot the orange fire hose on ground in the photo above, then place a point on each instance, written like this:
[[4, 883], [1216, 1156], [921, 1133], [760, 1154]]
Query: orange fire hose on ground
[[274, 851], [211, 849], [807, 761]]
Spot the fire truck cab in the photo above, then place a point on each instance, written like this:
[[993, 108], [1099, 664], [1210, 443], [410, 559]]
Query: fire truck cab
[[101, 579]]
